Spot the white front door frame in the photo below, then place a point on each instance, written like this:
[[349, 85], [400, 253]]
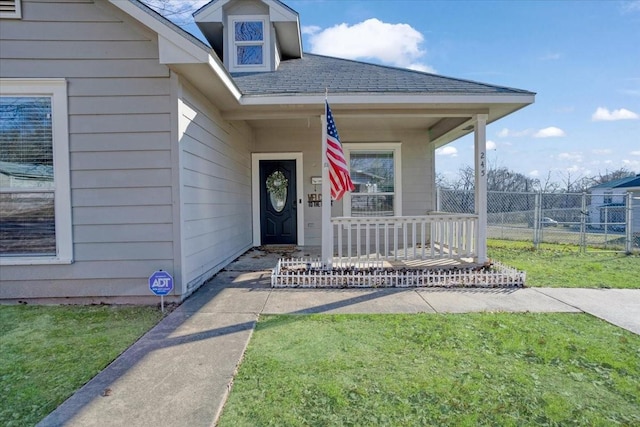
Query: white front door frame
[[255, 192]]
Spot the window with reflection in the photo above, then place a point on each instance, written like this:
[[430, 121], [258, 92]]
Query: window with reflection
[[249, 42], [374, 176], [35, 191], [27, 218]]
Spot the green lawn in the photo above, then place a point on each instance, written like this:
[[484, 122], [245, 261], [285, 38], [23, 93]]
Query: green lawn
[[563, 266], [48, 352], [407, 370], [458, 369]]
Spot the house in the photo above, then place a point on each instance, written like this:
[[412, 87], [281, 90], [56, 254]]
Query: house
[[130, 146], [608, 204]]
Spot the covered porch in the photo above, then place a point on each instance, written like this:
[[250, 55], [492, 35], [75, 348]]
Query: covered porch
[[419, 240], [389, 137], [383, 248]]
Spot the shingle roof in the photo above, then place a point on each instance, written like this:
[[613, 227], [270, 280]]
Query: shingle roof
[[312, 74], [628, 182]]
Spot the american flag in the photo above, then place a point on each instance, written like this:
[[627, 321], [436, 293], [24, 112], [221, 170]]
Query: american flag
[[338, 169]]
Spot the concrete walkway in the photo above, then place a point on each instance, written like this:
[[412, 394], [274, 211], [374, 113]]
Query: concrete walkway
[[180, 372]]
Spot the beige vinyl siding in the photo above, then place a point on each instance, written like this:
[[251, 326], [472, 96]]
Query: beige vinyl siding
[[120, 111], [215, 172], [418, 171]]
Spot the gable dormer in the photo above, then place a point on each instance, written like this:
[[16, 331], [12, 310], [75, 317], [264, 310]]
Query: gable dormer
[[251, 35]]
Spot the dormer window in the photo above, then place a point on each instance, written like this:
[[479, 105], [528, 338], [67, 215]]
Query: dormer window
[[251, 35], [250, 41]]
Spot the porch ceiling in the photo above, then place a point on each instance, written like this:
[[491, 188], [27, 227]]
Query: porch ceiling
[[351, 122], [443, 122]]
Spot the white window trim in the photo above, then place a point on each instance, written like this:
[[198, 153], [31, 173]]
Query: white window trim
[[57, 90], [396, 147], [266, 42], [17, 11]]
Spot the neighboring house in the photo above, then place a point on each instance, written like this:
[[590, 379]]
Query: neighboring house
[[160, 145], [608, 207]]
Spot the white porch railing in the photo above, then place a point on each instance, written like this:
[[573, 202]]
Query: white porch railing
[[433, 236]]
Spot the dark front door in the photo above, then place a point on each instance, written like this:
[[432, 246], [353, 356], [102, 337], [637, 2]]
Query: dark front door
[[278, 208]]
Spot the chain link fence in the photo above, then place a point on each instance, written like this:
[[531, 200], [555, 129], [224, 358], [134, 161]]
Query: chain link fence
[[580, 219]]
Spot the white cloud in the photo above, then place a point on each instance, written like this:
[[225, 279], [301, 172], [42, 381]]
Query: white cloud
[[603, 114], [491, 145], [534, 173], [631, 164], [399, 45], [635, 153], [573, 169], [310, 29], [549, 132], [422, 67], [576, 171], [506, 133], [447, 151], [602, 151], [574, 157]]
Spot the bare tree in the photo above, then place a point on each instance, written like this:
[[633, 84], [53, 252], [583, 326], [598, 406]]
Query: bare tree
[[547, 185], [466, 179], [503, 179], [178, 11], [506, 180], [612, 176], [571, 183], [441, 181], [498, 179]]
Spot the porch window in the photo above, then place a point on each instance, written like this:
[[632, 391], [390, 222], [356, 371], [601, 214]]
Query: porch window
[[249, 44], [375, 173], [35, 213]]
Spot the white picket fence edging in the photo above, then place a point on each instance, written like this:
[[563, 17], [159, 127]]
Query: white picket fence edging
[[309, 273]]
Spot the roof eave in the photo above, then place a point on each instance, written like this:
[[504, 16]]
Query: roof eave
[[176, 46], [522, 99]]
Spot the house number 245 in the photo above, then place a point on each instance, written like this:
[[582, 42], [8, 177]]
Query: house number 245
[[483, 168]]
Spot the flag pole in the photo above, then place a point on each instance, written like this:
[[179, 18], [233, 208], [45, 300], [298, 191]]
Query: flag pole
[[327, 230]]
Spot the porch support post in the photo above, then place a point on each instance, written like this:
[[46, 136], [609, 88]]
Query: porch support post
[[480, 144], [327, 230]]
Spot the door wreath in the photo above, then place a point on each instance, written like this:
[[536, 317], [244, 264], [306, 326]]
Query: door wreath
[[277, 185]]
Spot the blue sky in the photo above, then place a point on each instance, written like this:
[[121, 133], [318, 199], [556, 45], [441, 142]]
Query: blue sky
[[582, 58]]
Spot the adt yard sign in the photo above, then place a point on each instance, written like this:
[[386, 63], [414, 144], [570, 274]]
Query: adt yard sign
[[161, 283]]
